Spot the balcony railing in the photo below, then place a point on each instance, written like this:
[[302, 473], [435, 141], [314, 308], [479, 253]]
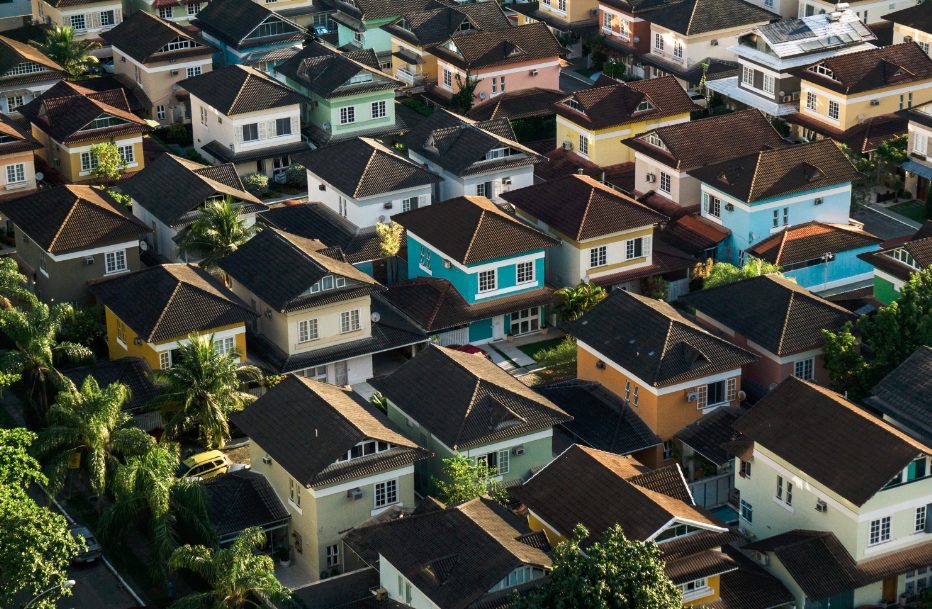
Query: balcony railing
[[410, 77]]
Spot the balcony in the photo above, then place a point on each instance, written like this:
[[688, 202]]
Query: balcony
[[412, 78]]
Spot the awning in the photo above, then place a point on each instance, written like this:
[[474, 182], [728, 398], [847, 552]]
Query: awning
[[918, 168], [408, 56]]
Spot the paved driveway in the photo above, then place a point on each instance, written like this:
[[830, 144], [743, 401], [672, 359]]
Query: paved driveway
[[96, 588]]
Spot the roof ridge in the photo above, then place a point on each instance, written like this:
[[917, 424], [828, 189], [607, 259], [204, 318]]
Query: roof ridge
[[241, 88], [666, 347], [67, 217], [364, 171], [582, 223], [786, 322], [786, 232], [472, 402], [168, 303], [436, 311], [692, 16], [475, 234]]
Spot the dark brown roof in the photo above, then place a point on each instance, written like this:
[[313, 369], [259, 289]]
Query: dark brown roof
[[582, 208], [134, 372], [790, 422], [776, 173], [919, 247], [560, 495], [876, 68], [904, 393], [306, 426], [919, 17], [240, 500], [707, 434], [480, 402], [693, 234], [617, 104], [710, 140], [238, 89], [559, 163], [20, 140], [13, 53], [171, 301], [523, 103], [664, 259], [435, 25], [72, 218], [810, 241], [864, 137], [695, 17], [145, 36], [328, 73], [486, 49], [750, 586], [775, 312], [654, 341], [231, 21]]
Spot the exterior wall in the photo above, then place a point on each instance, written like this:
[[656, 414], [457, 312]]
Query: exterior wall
[[181, 14], [455, 186], [517, 77], [28, 92], [375, 38], [327, 111], [788, 83], [869, 12], [156, 80], [28, 161], [389, 578], [685, 190], [902, 32], [787, 9], [846, 268], [696, 48], [605, 147], [851, 107], [69, 158], [43, 11], [370, 210], [429, 67], [161, 238], [562, 263]]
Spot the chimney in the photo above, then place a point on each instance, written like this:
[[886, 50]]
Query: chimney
[[580, 170]]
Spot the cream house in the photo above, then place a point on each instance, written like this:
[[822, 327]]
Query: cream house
[[89, 19]]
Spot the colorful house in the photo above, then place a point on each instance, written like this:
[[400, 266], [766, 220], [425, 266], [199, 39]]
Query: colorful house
[[912, 24], [359, 23], [918, 166], [177, 300], [475, 272], [17, 156], [570, 20], [175, 11], [30, 74], [895, 264], [89, 18], [868, 11]]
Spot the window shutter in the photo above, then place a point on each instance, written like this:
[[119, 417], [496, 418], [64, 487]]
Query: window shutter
[[732, 389], [94, 20], [705, 202], [928, 528], [238, 131], [701, 389], [262, 131], [272, 131], [645, 245], [117, 16], [295, 125]]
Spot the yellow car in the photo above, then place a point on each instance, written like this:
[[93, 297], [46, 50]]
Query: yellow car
[[203, 465]]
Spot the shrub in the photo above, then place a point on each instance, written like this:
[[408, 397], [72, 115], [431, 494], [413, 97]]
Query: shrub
[[86, 326], [196, 156], [256, 184], [296, 175], [177, 133]]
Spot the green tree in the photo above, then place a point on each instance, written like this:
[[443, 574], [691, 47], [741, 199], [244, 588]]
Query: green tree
[[572, 303], [147, 494], [614, 68], [14, 287], [929, 205], [723, 273], [202, 388], [847, 370], [461, 101], [218, 232], [110, 163], [36, 350], [18, 467], [468, 481], [391, 238], [616, 573], [60, 46], [90, 423], [559, 359], [234, 574]]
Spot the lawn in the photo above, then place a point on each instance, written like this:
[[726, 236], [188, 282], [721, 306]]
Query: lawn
[[914, 210], [532, 349], [587, 72]]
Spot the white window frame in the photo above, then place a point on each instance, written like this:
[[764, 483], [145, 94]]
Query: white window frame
[[747, 511], [82, 19], [598, 256], [804, 369], [165, 12], [194, 8], [668, 450], [333, 556], [812, 101], [447, 79], [308, 330], [378, 109], [127, 154], [525, 269], [16, 173], [350, 321], [195, 71], [747, 75], [834, 109], [387, 490], [658, 41], [115, 261], [631, 249], [879, 531], [489, 279], [223, 346], [920, 143], [160, 113], [583, 144], [165, 360], [347, 115], [920, 520], [13, 102], [666, 182], [769, 82]]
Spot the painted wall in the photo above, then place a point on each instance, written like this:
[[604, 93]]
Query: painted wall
[[366, 211], [35, 90], [429, 67], [852, 106], [685, 190], [161, 239], [517, 76], [846, 268], [181, 14], [67, 159], [327, 111], [869, 12], [91, 11], [605, 147], [454, 186], [156, 80], [28, 161], [886, 287], [375, 38], [901, 32]]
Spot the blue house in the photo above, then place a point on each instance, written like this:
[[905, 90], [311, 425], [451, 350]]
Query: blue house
[[476, 273]]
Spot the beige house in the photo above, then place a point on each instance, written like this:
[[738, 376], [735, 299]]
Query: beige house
[[89, 19], [17, 158], [912, 24]]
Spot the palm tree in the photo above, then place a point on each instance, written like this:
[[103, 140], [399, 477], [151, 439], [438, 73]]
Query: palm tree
[[60, 46], [218, 232], [572, 303], [234, 574], [147, 493], [34, 333], [13, 284], [202, 388], [90, 422]]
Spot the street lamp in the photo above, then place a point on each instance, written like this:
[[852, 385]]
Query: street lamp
[[67, 584]]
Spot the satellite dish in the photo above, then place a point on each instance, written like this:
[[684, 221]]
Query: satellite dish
[[143, 246], [375, 317], [860, 117], [637, 39], [39, 176], [326, 126]]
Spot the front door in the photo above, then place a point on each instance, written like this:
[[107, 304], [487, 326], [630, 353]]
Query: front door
[[339, 369], [525, 321], [498, 327], [922, 188], [889, 589]]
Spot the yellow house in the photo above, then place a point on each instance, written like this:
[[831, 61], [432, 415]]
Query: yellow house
[[150, 312], [648, 505], [593, 122], [68, 119]]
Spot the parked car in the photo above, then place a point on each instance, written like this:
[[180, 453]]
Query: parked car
[[92, 550], [471, 349], [203, 465]]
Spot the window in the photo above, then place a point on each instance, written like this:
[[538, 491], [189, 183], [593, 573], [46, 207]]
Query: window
[[920, 143], [425, 258], [833, 109], [160, 112], [26, 67], [821, 69], [747, 75], [525, 321], [920, 519], [165, 12], [634, 248], [636, 395], [386, 493], [711, 205], [194, 8], [127, 154], [88, 161], [116, 261], [487, 281], [203, 115], [668, 451], [447, 78], [307, 330], [16, 173], [107, 18], [812, 101], [378, 109], [607, 20], [251, 132], [272, 26], [694, 589], [658, 41], [165, 360], [501, 84], [78, 23], [665, 182], [583, 144], [747, 511], [627, 390], [525, 272], [282, 127], [780, 488], [768, 83], [178, 43], [13, 102], [678, 50], [776, 218], [768, 3], [295, 492], [904, 257], [654, 140], [597, 256], [880, 530], [925, 47], [349, 321], [789, 493], [347, 115], [746, 469], [333, 556], [715, 393], [644, 106], [803, 368], [224, 346]]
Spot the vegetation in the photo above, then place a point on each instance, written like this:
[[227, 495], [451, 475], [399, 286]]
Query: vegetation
[[13, 285], [559, 359], [110, 163], [256, 184], [60, 46], [879, 169], [418, 107], [218, 232], [86, 326], [379, 401], [655, 287], [193, 155], [535, 128], [234, 574], [469, 480], [201, 389], [461, 101], [572, 303], [391, 238], [722, 273], [782, 127], [614, 68], [296, 175], [616, 573]]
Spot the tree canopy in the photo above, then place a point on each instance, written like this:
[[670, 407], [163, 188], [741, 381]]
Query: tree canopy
[[723, 273], [468, 480], [572, 303]]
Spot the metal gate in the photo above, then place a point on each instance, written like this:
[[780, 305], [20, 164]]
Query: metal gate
[[677, 289]]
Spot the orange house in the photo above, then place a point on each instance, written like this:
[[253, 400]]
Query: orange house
[[667, 367]]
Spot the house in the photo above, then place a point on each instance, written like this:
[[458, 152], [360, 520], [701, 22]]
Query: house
[[778, 320], [482, 552], [182, 13], [359, 23], [332, 458], [704, 460], [88, 18], [770, 56], [764, 193], [868, 11], [903, 395], [71, 235], [17, 155], [841, 92], [248, 33], [27, 74], [169, 195], [918, 166], [515, 105], [669, 368], [367, 182], [593, 122], [316, 316], [69, 119], [459, 404], [571, 20], [625, 27], [508, 59], [818, 255], [243, 117], [607, 237], [649, 505], [838, 526], [349, 95], [696, 32], [179, 300], [156, 54], [240, 500], [136, 374], [896, 263], [662, 156], [475, 272], [913, 23], [473, 158], [417, 31]]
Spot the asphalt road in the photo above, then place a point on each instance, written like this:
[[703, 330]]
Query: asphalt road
[[96, 588]]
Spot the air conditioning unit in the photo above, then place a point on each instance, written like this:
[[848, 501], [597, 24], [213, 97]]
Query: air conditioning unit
[[818, 201], [506, 181], [533, 72], [907, 38], [796, 96], [729, 207], [567, 145], [875, 102], [594, 12], [692, 396], [787, 99], [651, 178], [381, 594], [821, 506], [322, 187], [267, 460], [88, 260], [326, 126], [447, 264], [387, 205], [174, 72], [137, 341], [714, 43], [518, 450], [600, 365], [762, 557], [24, 238], [354, 493]]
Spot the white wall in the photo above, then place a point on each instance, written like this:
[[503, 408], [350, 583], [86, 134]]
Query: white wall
[[366, 211]]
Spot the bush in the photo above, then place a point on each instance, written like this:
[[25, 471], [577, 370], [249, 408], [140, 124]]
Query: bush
[[256, 184], [177, 133], [196, 156], [782, 127], [296, 175], [120, 197], [418, 107], [86, 327]]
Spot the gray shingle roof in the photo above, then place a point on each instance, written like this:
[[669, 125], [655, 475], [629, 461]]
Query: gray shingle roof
[[240, 500], [327, 73], [485, 49], [694, 17], [143, 36], [238, 89], [904, 394], [480, 403], [706, 435], [437, 25], [134, 372], [231, 21]]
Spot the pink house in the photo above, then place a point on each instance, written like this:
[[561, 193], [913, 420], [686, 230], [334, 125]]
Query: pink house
[[510, 59]]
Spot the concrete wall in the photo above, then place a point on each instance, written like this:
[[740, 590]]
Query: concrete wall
[[685, 190], [156, 80], [696, 48], [328, 111], [846, 268], [28, 161], [179, 14], [365, 211], [43, 11], [853, 106], [605, 147], [455, 186], [517, 76], [68, 159]]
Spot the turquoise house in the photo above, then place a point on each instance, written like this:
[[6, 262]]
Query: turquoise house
[[359, 23], [476, 273]]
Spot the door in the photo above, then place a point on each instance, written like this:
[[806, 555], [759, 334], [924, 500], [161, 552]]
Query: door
[[889, 589], [339, 369], [380, 271], [525, 321], [922, 188], [498, 327]]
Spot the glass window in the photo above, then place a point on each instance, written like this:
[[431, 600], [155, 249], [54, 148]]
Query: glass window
[[503, 460], [78, 22], [665, 182], [16, 173], [224, 346], [780, 487], [715, 393], [627, 390], [194, 8], [107, 18], [768, 83], [525, 272], [803, 369], [333, 556], [487, 281], [378, 109], [634, 248], [282, 126], [425, 258], [879, 530], [195, 71], [636, 395], [747, 75], [668, 450], [920, 519], [127, 154], [347, 115], [658, 41], [307, 330], [115, 261], [13, 102], [812, 101], [583, 144], [409, 204], [251, 132], [349, 321], [165, 12], [165, 360], [747, 512], [386, 493], [447, 79], [789, 493], [833, 109], [88, 161], [598, 256]]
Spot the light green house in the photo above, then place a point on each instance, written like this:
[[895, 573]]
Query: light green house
[[350, 96], [457, 403], [332, 458], [894, 265], [835, 500]]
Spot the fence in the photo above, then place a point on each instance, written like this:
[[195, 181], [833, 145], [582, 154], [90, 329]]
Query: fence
[[459, 336], [677, 289], [712, 491]]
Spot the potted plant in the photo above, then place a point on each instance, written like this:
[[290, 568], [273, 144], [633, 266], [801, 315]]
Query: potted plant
[[284, 556], [903, 600], [544, 328], [511, 337]]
